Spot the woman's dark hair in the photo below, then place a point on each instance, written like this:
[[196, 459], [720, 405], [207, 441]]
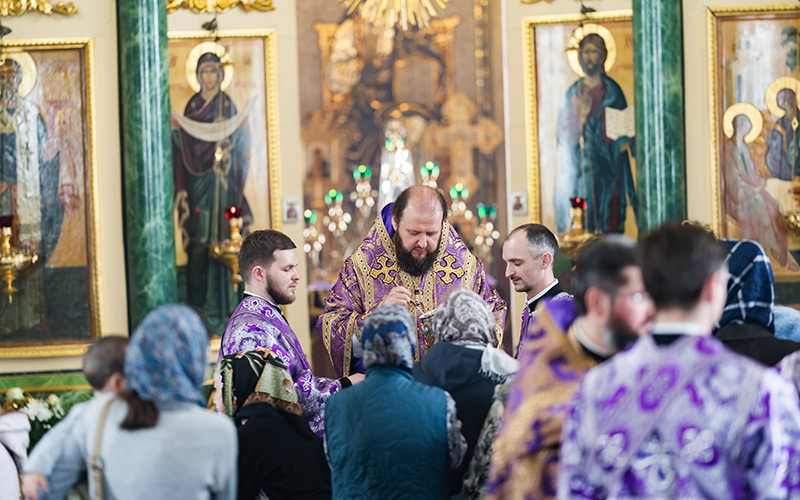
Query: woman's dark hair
[[141, 414]]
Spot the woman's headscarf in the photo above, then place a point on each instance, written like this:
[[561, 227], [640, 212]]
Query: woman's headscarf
[[464, 318], [751, 291], [166, 359], [257, 377], [388, 337]]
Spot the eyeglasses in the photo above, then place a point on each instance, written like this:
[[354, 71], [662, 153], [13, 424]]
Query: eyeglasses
[[635, 297]]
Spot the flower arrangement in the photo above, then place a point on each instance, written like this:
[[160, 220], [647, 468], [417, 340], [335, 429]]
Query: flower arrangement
[[43, 414]]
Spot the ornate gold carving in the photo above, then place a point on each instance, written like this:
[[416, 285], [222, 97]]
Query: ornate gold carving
[[19, 7], [531, 98], [391, 13], [199, 6]]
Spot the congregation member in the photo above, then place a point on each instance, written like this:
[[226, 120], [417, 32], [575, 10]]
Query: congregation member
[[391, 437], [104, 369], [155, 439], [411, 256], [747, 324], [466, 362], [14, 439], [256, 390], [268, 264], [678, 415], [530, 253], [609, 309]]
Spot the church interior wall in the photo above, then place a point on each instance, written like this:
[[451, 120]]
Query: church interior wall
[[97, 20]]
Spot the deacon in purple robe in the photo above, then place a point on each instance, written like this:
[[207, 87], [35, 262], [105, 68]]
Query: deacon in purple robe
[[413, 257], [567, 337], [679, 415], [269, 266]]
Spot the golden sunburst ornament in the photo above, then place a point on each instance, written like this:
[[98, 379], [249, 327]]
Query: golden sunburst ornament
[[396, 12]]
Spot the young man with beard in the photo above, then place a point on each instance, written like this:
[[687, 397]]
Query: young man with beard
[[610, 308], [268, 264], [529, 253], [678, 415], [413, 257]]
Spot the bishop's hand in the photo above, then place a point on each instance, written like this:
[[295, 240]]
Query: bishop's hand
[[398, 295]]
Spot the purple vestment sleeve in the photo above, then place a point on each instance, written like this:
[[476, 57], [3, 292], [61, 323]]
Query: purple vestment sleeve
[[258, 324]]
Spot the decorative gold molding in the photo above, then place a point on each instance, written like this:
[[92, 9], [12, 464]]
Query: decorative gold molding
[[531, 99], [536, 1], [52, 388], [712, 15], [271, 92], [93, 211], [206, 6], [19, 7]]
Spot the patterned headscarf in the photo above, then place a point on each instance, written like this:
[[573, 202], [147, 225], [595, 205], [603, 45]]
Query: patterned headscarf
[[464, 318], [256, 377], [166, 359], [751, 291], [388, 337]]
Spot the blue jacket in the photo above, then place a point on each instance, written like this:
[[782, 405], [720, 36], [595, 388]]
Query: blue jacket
[[387, 438]]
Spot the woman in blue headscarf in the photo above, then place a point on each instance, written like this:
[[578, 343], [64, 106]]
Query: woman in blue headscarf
[[389, 436], [156, 440]]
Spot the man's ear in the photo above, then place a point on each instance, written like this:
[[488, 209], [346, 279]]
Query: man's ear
[[547, 260], [394, 223], [258, 273], [714, 285], [596, 300]]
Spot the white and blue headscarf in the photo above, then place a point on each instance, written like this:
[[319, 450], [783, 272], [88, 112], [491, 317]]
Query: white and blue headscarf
[[166, 359], [751, 292], [388, 337]]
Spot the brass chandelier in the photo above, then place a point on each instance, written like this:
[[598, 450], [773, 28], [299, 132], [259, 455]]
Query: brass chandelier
[[396, 12]]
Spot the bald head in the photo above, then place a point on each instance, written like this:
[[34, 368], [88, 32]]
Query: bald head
[[423, 200]]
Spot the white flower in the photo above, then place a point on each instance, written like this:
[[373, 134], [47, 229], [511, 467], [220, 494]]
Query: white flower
[[15, 393], [36, 410], [53, 400]]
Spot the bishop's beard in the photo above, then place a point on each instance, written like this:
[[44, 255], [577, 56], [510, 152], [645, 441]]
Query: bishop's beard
[[407, 262]]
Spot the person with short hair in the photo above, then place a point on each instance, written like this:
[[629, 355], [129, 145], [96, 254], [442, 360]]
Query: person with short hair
[[529, 253], [104, 368], [413, 257], [678, 415], [609, 309], [256, 390], [158, 440], [268, 263], [392, 437]]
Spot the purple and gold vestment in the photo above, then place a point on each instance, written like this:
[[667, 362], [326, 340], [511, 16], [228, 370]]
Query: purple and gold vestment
[[372, 271], [689, 419], [257, 323], [552, 365]]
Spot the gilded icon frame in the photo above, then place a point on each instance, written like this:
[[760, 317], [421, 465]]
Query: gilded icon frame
[[80, 75], [538, 211], [725, 53]]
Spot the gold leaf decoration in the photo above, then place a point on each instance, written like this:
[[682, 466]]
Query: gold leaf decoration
[[393, 12], [19, 7], [201, 6]]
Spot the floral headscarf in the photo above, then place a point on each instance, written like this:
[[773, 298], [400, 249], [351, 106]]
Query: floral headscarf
[[256, 377], [464, 318], [166, 359], [389, 337]]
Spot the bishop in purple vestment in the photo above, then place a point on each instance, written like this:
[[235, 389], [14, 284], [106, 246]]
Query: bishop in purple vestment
[[413, 257], [269, 266], [679, 415]]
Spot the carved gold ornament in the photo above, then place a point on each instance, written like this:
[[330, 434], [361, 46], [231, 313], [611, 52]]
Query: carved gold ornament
[[394, 12], [573, 47], [200, 6], [19, 7], [748, 110]]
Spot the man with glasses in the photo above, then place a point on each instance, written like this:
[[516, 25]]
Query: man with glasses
[[678, 415], [610, 308], [529, 253]]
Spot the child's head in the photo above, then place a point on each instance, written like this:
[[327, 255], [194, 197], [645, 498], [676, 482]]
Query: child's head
[[104, 364]]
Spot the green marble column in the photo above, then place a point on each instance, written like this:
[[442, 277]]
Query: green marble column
[[660, 133], [146, 156]]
